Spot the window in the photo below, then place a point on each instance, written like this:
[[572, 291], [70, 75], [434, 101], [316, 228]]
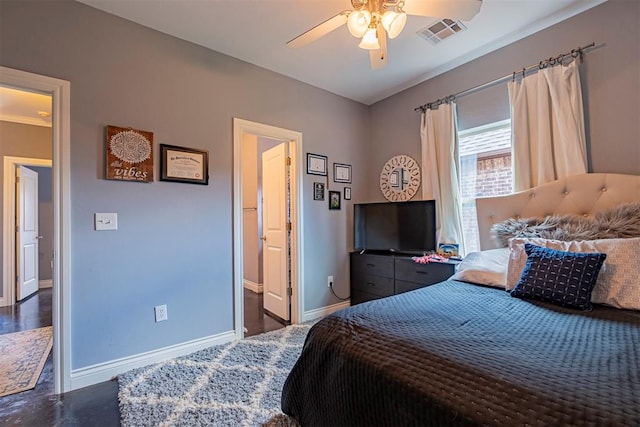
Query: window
[[485, 170]]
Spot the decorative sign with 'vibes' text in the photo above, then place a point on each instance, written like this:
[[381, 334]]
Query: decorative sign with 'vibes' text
[[129, 154]]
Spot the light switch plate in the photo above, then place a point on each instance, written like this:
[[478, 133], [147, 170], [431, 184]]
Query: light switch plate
[[106, 221]]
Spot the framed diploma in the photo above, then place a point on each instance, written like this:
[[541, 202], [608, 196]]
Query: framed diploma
[[180, 164], [341, 173], [316, 164]]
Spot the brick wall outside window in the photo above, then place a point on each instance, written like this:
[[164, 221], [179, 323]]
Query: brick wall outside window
[[485, 170], [494, 176]]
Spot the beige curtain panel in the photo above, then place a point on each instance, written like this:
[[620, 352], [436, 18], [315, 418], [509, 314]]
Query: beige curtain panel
[[547, 126], [440, 176]]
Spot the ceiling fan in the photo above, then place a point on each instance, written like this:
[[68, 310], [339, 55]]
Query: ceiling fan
[[374, 20]]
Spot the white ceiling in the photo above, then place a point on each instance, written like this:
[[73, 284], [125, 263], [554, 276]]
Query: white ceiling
[[256, 31], [25, 107]]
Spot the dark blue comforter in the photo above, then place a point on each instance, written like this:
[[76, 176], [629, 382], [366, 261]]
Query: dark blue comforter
[[461, 354]]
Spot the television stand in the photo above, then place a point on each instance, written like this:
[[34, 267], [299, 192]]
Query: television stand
[[379, 274]]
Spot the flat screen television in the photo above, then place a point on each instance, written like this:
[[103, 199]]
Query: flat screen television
[[408, 227]]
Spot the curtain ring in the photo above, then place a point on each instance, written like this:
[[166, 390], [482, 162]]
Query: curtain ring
[[513, 79], [575, 53], [541, 65], [523, 71]]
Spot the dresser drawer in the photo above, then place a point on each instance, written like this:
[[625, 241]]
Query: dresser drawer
[[376, 285], [424, 274], [377, 265], [358, 297], [403, 286]]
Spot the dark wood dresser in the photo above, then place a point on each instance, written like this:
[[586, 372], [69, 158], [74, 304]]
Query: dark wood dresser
[[379, 275]]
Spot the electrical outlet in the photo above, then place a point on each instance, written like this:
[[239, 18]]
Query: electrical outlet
[[329, 281], [161, 312]]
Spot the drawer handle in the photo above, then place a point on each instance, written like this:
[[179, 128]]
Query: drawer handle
[[371, 265], [371, 284], [421, 272]]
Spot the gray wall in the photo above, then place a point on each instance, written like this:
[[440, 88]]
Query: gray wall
[[174, 242], [20, 140], [45, 221], [610, 78]]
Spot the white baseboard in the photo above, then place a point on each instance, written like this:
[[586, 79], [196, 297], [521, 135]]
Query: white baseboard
[[4, 301], [47, 283], [323, 311], [94, 374], [252, 286]]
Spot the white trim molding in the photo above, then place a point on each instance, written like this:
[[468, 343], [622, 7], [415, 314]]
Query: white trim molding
[[24, 120], [9, 223], [323, 311], [46, 283], [252, 286], [240, 129], [60, 91], [105, 371]]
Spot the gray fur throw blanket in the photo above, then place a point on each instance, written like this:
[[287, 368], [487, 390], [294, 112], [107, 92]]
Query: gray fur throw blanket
[[622, 221]]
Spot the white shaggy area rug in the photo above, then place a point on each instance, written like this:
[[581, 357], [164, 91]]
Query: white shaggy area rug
[[234, 384]]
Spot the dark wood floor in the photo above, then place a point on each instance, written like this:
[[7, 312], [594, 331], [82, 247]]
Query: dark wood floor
[[96, 405], [256, 321]]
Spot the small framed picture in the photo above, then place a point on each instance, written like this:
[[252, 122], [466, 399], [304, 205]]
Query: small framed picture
[[342, 173], [334, 200], [316, 164], [347, 193], [181, 164], [318, 191]]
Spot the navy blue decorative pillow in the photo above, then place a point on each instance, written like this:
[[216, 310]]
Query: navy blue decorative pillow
[[558, 277]]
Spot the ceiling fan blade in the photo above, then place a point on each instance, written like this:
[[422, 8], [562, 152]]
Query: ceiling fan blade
[[378, 57], [319, 30], [462, 10]]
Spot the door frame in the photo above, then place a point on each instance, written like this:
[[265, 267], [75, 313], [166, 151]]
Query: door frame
[[9, 223], [61, 177], [240, 129]]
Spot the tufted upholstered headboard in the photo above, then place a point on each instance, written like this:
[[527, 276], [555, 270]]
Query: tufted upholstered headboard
[[583, 194]]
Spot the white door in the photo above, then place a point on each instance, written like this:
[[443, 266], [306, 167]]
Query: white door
[[26, 232], [275, 235]]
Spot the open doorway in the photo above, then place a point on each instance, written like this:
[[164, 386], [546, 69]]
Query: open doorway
[[26, 307], [265, 189], [58, 92], [267, 224]]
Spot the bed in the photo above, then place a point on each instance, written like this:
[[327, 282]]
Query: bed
[[461, 353]]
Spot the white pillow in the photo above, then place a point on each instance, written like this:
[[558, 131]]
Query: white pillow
[[487, 268], [618, 283]]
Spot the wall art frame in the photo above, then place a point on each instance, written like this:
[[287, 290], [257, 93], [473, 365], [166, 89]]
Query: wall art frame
[[347, 193], [128, 154], [182, 164], [342, 173], [318, 191], [334, 200], [317, 164]]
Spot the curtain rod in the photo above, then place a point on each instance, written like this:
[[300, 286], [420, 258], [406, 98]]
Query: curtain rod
[[540, 65]]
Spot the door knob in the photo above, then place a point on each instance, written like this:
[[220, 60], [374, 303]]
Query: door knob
[[39, 237], [263, 238]]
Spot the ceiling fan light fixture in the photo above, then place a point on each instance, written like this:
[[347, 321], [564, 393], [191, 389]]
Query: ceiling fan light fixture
[[358, 22], [370, 40], [394, 22]]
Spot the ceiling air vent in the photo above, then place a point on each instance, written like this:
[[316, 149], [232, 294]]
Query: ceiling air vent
[[440, 30]]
